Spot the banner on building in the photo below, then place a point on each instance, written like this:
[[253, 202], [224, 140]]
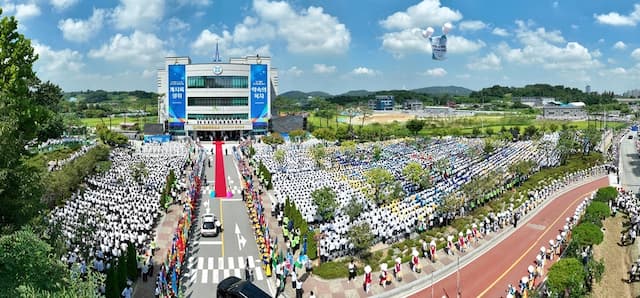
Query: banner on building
[[259, 96], [157, 139], [177, 97]]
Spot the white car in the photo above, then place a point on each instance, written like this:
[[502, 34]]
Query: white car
[[210, 226]]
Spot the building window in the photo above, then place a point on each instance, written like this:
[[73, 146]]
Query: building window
[[240, 116], [218, 101], [218, 82]]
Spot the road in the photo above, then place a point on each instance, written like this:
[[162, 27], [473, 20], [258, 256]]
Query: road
[[215, 258], [629, 163], [507, 262]]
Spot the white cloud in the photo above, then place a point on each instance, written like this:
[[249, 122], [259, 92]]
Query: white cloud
[[82, 30], [310, 31], [472, 25], [636, 54], [619, 45], [323, 68], [247, 31], [294, 71], [500, 32], [435, 72], [176, 24], [539, 48], [555, 4], [147, 73], [52, 63], [21, 11], [601, 40], [619, 70], [200, 3], [410, 41], [63, 4], [491, 61], [138, 48], [138, 14], [596, 53], [616, 19], [364, 71], [611, 61], [425, 13], [575, 27], [205, 44]]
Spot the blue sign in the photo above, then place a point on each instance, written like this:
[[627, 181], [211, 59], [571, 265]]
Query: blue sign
[[259, 96], [177, 97], [157, 139], [634, 128]]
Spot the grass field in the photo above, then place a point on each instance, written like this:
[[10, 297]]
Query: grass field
[[92, 122]]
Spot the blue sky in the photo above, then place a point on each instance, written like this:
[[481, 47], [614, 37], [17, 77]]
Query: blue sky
[[336, 46]]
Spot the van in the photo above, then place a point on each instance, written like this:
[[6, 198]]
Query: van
[[234, 287]]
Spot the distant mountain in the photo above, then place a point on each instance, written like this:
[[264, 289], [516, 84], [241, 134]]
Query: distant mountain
[[358, 93], [438, 90], [295, 94]]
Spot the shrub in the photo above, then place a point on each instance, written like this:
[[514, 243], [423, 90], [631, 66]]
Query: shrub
[[605, 194], [567, 275], [586, 234], [596, 212]]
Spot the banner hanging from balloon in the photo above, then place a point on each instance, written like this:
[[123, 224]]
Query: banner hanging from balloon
[[438, 43]]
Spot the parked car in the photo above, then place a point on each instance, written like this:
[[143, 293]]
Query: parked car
[[211, 226], [234, 287]]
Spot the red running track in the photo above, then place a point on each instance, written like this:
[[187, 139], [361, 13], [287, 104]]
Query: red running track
[[507, 262], [221, 181]]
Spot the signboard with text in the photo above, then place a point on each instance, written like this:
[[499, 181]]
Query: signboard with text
[[177, 97], [259, 96]]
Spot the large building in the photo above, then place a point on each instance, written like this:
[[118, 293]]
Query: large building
[[217, 100], [382, 103], [570, 111]]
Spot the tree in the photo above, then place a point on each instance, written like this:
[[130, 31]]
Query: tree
[[417, 174], [377, 152], [567, 144], [349, 148], [365, 112], [361, 237], [566, 278], [522, 168], [318, 153], [475, 132], [586, 234], [592, 137], [381, 183], [298, 134], [605, 194], [353, 209], [25, 261], [324, 134], [325, 200], [139, 172], [489, 131], [415, 126], [279, 156], [530, 131], [596, 212], [273, 138], [553, 127], [489, 147], [132, 262]]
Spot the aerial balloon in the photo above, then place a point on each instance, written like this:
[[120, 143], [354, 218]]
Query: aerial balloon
[[438, 43]]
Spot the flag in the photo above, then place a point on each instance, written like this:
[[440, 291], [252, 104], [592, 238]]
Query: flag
[[304, 246], [174, 282]]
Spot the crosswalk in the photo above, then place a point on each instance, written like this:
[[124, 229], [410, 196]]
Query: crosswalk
[[207, 270]]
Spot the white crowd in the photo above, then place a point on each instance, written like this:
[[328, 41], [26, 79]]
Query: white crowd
[[114, 208], [453, 163]]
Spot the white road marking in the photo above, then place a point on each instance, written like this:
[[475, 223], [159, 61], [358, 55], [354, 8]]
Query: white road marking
[[258, 273], [200, 263], [214, 242], [230, 265], [210, 263], [216, 276], [252, 263], [205, 276], [241, 262], [236, 272], [220, 263]]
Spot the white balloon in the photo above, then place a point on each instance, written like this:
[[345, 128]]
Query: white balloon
[[427, 33], [447, 27]]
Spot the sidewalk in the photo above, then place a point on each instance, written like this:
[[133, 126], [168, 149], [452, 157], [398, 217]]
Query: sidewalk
[[444, 266]]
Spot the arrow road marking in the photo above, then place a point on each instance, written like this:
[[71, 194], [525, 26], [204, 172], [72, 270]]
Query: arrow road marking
[[241, 240]]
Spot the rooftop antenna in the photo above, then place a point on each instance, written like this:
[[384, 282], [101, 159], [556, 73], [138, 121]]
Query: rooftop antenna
[[217, 57]]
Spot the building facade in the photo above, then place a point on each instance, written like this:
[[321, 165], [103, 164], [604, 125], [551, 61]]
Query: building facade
[[570, 111], [216, 101], [382, 103], [413, 105]]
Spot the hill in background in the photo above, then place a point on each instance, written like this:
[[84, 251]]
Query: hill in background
[[436, 90]]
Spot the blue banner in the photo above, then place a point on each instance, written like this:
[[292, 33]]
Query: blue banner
[[259, 96], [157, 139], [177, 97]]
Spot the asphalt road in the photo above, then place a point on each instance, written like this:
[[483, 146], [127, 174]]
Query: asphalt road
[[214, 258], [629, 171], [507, 262]]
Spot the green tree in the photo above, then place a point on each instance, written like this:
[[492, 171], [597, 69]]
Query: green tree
[[381, 184], [25, 261], [605, 194], [325, 200], [596, 212], [415, 126], [475, 132], [132, 262], [361, 237], [566, 278], [592, 137], [553, 127], [586, 234], [139, 172], [489, 131], [273, 138], [298, 134], [324, 134], [349, 148], [318, 152], [530, 131], [522, 168], [353, 209], [489, 146], [279, 157], [417, 175], [567, 144], [377, 152]]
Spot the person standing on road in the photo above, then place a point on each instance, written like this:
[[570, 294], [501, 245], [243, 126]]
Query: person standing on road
[[352, 271], [299, 289]]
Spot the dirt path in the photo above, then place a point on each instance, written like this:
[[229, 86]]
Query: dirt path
[[617, 260]]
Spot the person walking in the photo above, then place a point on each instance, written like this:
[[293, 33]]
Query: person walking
[[352, 271], [299, 290]]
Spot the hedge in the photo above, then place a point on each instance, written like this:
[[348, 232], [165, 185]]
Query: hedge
[[605, 194]]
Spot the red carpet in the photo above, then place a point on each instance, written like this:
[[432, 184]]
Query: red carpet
[[221, 181]]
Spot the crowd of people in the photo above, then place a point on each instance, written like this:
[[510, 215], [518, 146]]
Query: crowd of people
[[451, 163], [54, 165], [116, 210]]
